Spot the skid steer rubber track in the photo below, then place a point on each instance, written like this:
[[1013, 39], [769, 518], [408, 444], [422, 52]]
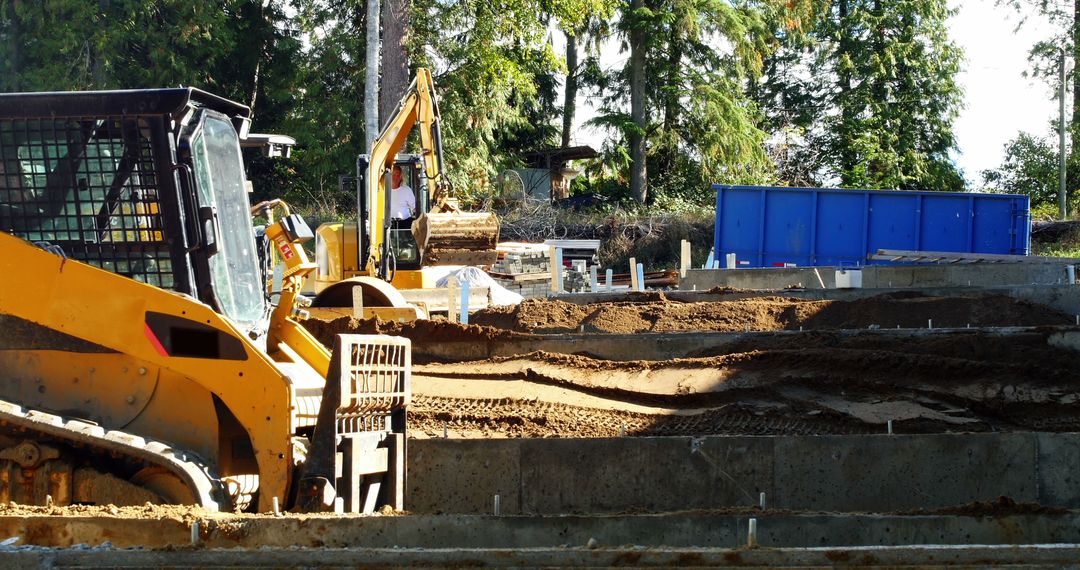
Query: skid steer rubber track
[[207, 490]]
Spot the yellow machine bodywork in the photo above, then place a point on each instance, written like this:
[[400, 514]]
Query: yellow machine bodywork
[[132, 376]]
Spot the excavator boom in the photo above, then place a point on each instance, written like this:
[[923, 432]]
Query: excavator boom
[[445, 234]]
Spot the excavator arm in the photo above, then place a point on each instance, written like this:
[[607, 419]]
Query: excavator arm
[[445, 234]]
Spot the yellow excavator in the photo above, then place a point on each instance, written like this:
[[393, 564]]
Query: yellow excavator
[[379, 255], [140, 357]]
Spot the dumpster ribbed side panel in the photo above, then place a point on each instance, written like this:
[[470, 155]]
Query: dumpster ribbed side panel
[[772, 226]]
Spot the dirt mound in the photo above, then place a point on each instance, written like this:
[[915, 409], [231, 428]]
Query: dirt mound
[[767, 314], [815, 383], [430, 331], [823, 380]]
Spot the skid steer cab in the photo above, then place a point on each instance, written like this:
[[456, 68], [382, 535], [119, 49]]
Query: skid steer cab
[[141, 359]]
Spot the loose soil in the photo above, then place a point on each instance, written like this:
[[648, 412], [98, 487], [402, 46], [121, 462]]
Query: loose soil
[[653, 312], [821, 381], [905, 310]]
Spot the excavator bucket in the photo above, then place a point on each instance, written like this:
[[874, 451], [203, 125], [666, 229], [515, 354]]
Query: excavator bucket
[[457, 238]]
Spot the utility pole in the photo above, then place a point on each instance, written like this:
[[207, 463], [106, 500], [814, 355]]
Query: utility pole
[[371, 76], [1062, 205]]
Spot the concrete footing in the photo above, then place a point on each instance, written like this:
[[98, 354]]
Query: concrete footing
[[675, 530], [1028, 557], [821, 473], [881, 276]]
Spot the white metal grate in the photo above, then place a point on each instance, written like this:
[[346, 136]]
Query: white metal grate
[[375, 381]]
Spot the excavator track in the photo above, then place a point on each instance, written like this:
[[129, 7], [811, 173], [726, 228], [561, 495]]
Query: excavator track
[[18, 421]]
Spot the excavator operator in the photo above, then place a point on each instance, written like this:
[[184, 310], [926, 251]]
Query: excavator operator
[[402, 211], [402, 200]]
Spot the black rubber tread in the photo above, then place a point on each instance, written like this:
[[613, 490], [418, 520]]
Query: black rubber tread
[[208, 490]]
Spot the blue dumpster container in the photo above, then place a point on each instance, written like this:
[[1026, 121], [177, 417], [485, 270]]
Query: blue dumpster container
[[767, 226]]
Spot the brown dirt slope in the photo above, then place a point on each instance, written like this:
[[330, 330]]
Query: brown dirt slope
[[820, 383], [823, 380]]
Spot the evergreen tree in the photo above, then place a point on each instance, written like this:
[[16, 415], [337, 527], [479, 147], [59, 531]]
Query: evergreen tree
[[495, 74], [870, 92], [693, 115], [1045, 57], [1030, 167]]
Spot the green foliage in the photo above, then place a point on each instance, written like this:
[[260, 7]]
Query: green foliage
[[239, 49], [701, 128], [1045, 54], [1031, 167], [898, 119], [328, 114], [494, 71], [737, 91], [76, 44], [1045, 58], [867, 96], [1044, 212]]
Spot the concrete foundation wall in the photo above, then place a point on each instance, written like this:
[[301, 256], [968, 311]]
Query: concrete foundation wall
[[880, 276], [829, 473], [1029, 557]]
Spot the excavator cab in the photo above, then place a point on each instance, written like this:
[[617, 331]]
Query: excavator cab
[[402, 246]]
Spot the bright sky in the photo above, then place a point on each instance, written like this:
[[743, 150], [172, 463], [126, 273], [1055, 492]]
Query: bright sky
[[999, 101]]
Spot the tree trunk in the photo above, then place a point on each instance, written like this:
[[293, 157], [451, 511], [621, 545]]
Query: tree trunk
[[570, 93], [1076, 69], [847, 110], [638, 170], [12, 68], [395, 56], [372, 125], [97, 65]]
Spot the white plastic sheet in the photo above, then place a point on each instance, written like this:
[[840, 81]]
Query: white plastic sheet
[[477, 278]]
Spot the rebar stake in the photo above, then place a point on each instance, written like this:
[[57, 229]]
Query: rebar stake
[[195, 532], [751, 535], [890, 427], [761, 501], [498, 505]]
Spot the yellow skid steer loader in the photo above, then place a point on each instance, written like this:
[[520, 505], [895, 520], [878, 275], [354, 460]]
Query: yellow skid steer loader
[[140, 358]]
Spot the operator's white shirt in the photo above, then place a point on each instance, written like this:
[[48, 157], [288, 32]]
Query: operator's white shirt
[[402, 203]]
